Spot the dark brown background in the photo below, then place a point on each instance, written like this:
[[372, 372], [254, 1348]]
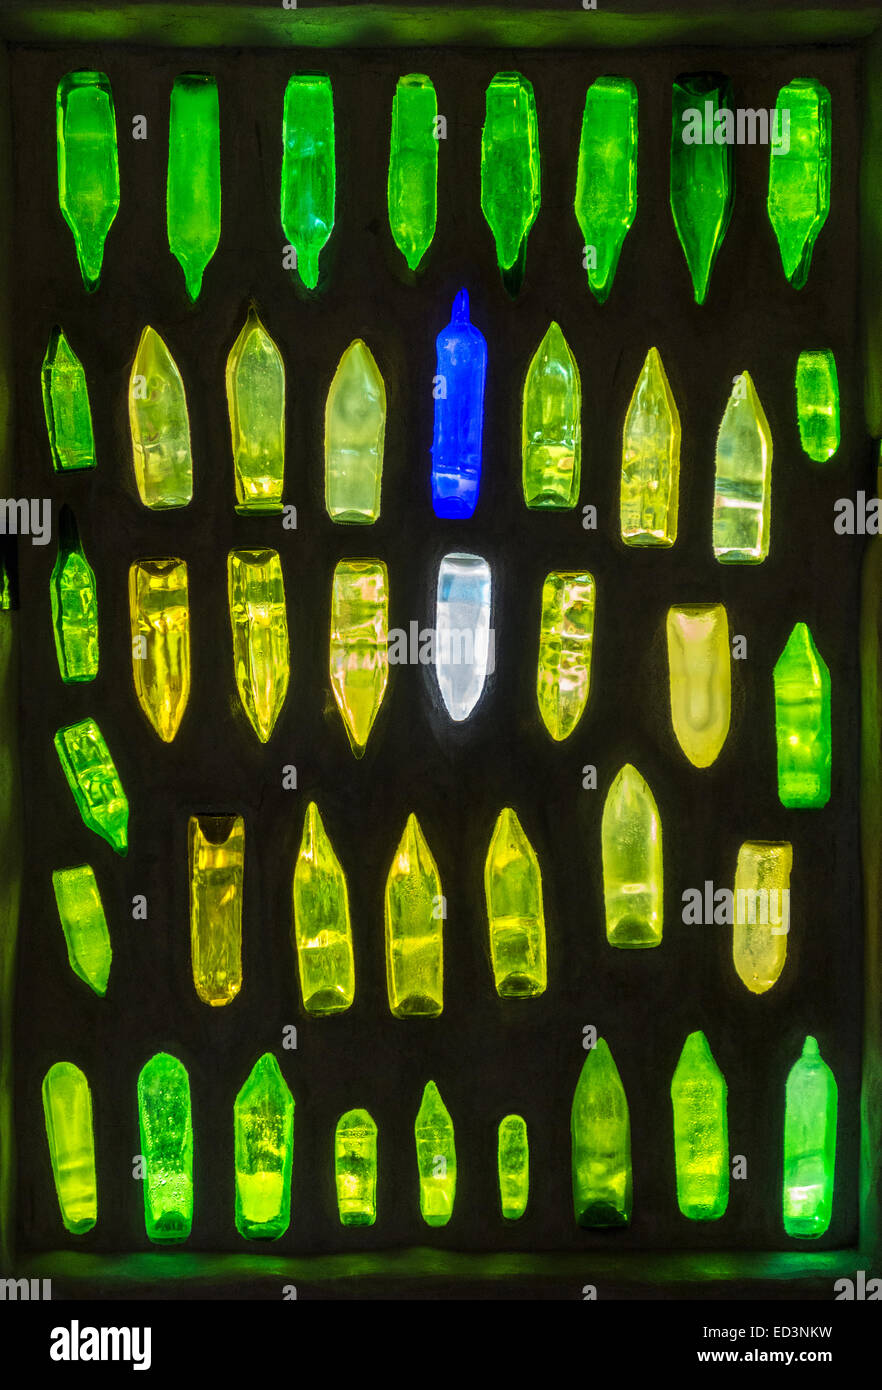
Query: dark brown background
[[487, 1056]]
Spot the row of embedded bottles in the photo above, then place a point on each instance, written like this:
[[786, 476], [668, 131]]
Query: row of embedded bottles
[[263, 1116], [460, 647], [355, 430], [705, 128], [415, 909]]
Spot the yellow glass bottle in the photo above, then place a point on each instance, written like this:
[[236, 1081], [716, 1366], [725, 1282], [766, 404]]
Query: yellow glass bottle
[[650, 489], [359, 648], [566, 634], [217, 863], [159, 610], [322, 929], [414, 912], [261, 652], [699, 663], [255, 380], [632, 862], [762, 912], [515, 911]]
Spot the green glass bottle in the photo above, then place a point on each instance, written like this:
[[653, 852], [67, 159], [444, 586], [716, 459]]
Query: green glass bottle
[[811, 1103], [74, 601], [606, 182], [702, 171], [600, 1128], [412, 189], [800, 156], [701, 1132], [193, 189], [263, 1123], [513, 1166], [6, 583], [67, 1111], [308, 170], [510, 192], [166, 1148], [88, 166], [817, 404], [94, 782], [355, 1168], [436, 1158], [551, 425], [802, 722], [81, 913], [66, 406]]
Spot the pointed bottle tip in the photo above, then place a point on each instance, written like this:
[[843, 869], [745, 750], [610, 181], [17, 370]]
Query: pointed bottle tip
[[742, 385], [810, 1047], [697, 1044], [307, 266], [508, 834], [267, 1063], [412, 839], [554, 343], [193, 284], [460, 312], [312, 822], [149, 340]]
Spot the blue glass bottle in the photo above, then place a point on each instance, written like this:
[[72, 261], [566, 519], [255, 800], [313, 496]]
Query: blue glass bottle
[[459, 413]]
